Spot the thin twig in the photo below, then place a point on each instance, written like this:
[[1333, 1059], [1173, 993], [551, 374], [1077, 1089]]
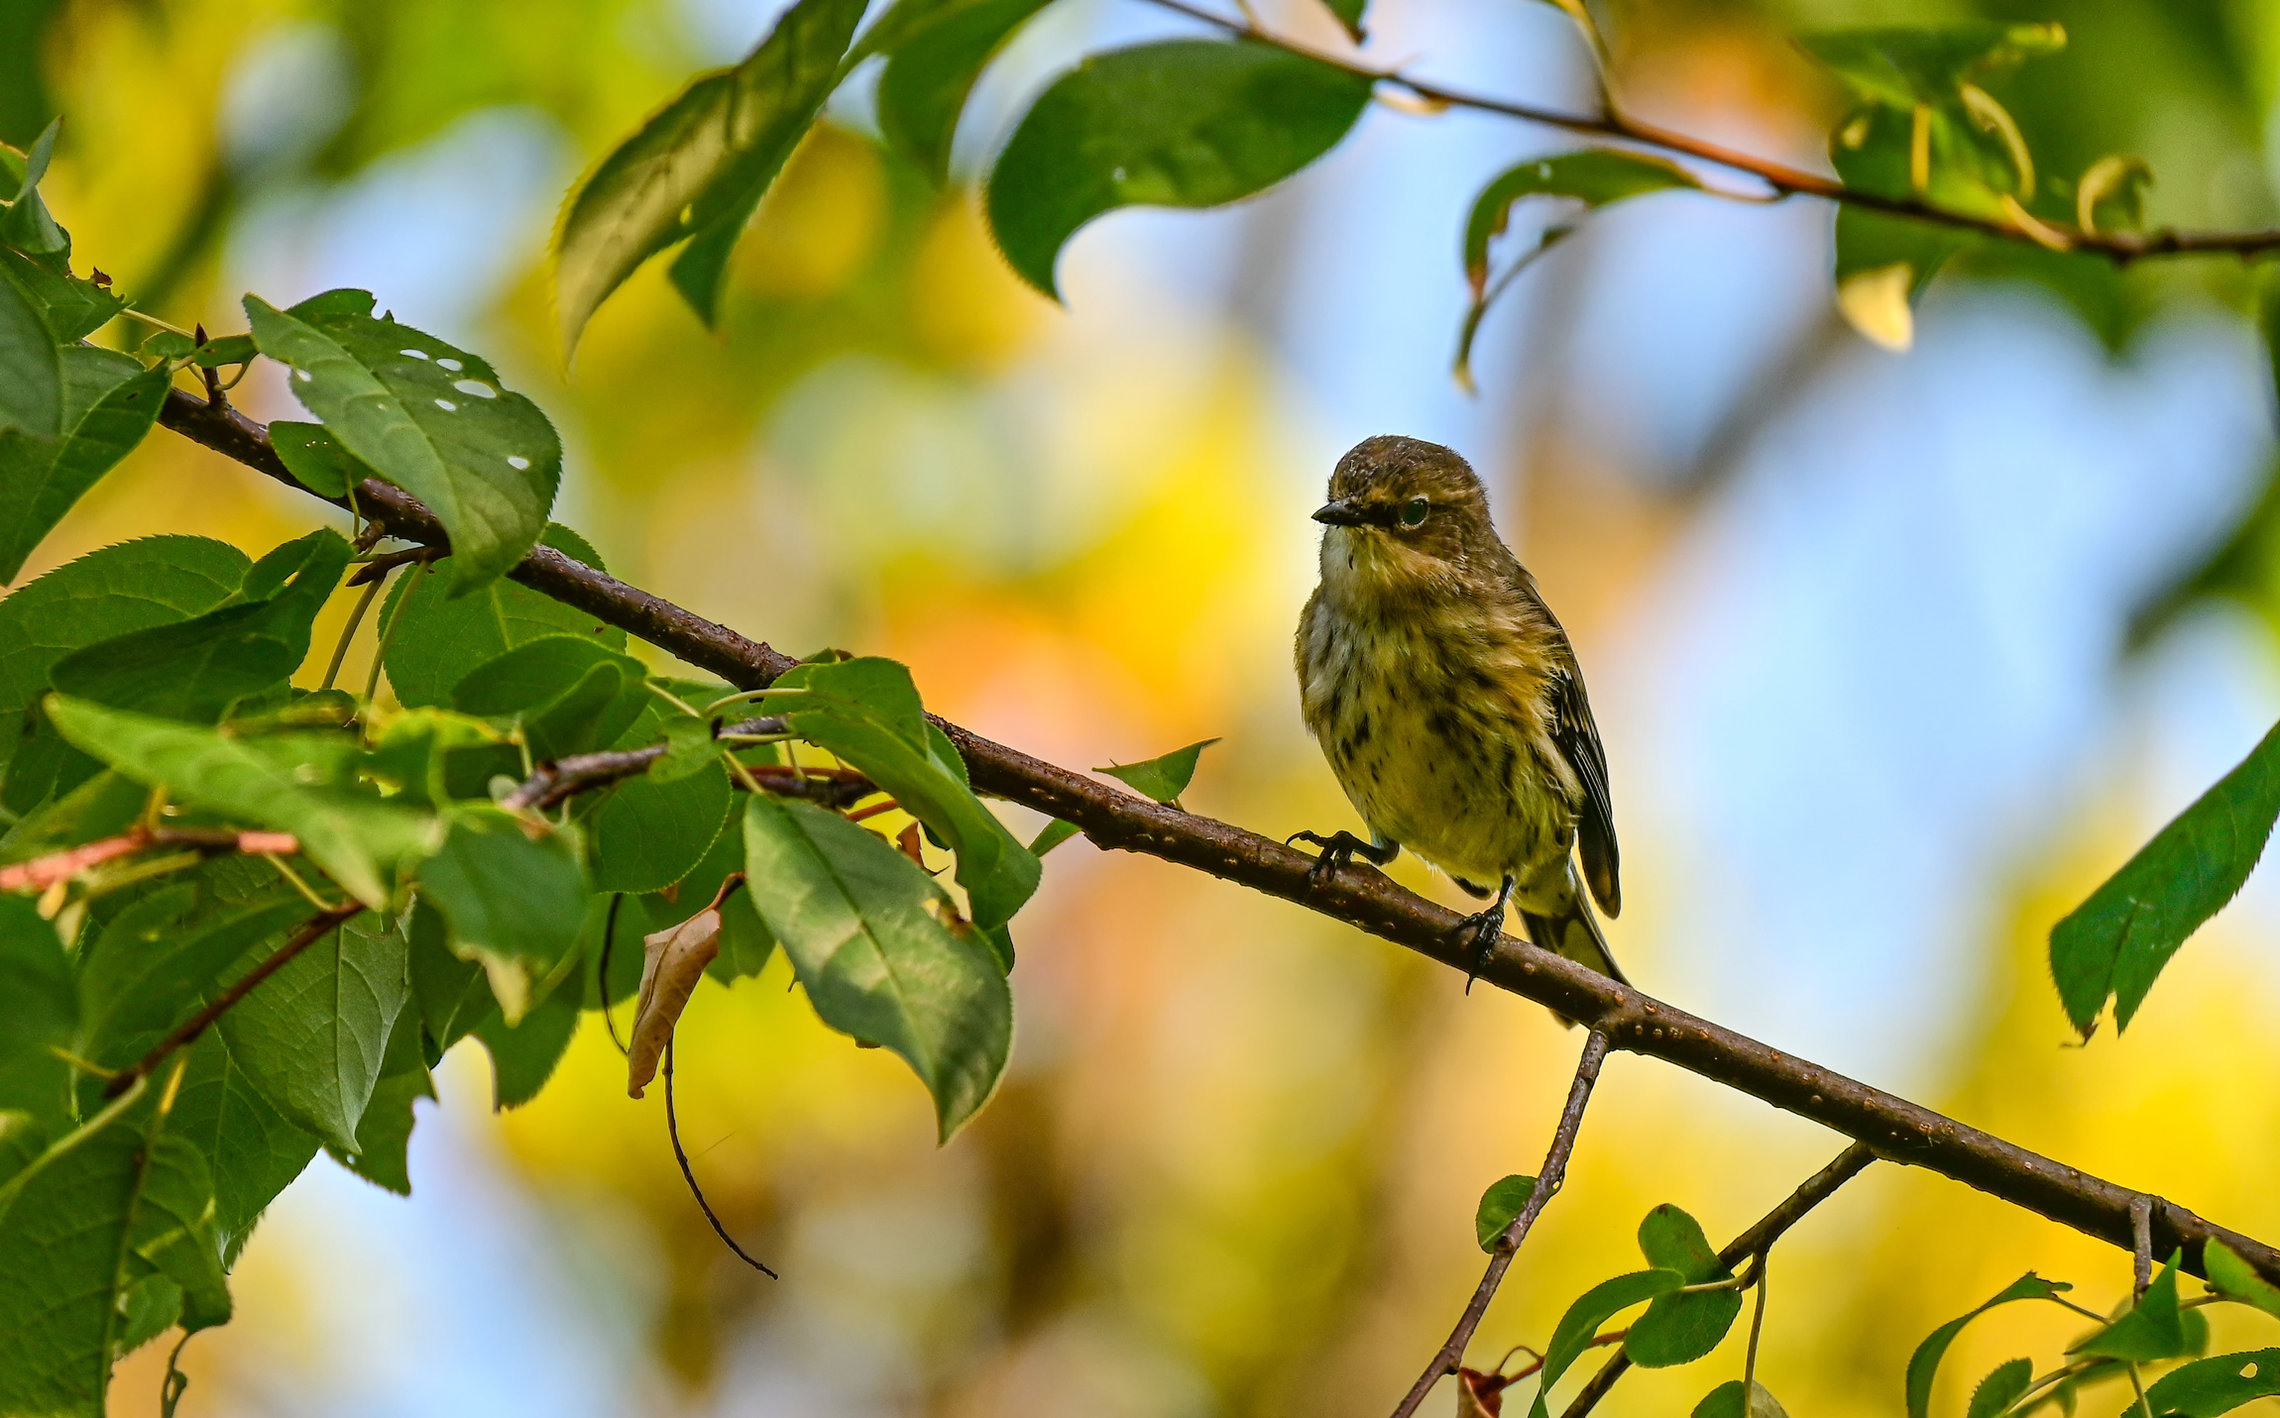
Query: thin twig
[[602, 969], [673, 1131], [348, 631], [1756, 1241], [40, 873], [2119, 247], [1548, 1180], [2141, 1245], [378, 567], [311, 931], [1898, 1129], [1757, 1327], [551, 783]]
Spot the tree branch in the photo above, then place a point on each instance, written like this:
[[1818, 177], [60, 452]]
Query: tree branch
[[316, 928], [2119, 247], [1756, 1241], [578, 773], [1893, 1127], [1508, 1245]]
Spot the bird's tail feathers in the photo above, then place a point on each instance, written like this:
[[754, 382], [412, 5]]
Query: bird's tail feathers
[[1575, 934]]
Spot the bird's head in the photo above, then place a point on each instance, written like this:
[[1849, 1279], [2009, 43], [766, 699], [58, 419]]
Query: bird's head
[[1402, 510]]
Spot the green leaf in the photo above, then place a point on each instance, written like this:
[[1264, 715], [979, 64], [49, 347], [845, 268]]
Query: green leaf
[[2153, 1328], [1594, 178], [150, 581], [932, 69], [569, 693], [312, 1037], [24, 220], [1349, 13], [865, 933], [2116, 943], [194, 670], [252, 1151], [512, 904], [315, 458], [699, 165], [689, 749], [1053, 835], [867, 711], [360, 840], [2208, 1387], [154, 962], [523, 1056], [384, 1134], [450, 993], [106, 404], [31, 379], [438, 640], [222, 351], [1164, 778], [1902, 67], [2236, 1279], [98, 1211], [1924, 1364], [1602, 1302], [1498, 1205], [71, 308], [649, 835], [1678, 1329], [39, 1010], [428, 417], [1725, 1401], [1183, 123], [2002, 1387]]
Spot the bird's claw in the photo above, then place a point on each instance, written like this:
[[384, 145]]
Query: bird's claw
[[1484, 928], [1336, 850]]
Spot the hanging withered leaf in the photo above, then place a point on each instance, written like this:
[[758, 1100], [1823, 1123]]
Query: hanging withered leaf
[[673, 960]]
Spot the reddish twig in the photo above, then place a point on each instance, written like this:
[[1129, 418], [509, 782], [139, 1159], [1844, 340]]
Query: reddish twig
[[40, 873]]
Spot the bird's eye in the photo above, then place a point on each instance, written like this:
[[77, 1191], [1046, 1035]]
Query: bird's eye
[[1413, 512]]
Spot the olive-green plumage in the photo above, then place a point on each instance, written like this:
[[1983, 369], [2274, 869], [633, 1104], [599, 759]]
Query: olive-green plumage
[[1448, 700]]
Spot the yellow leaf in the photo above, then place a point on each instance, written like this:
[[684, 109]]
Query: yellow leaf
[[1876, 304]]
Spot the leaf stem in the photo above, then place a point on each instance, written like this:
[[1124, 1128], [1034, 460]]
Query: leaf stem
[[673, 1131]]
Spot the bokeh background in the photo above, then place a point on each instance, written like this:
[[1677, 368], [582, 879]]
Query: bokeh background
[[1895, 656]]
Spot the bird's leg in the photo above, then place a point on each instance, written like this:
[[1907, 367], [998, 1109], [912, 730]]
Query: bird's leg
[[1484, 926], [1338, 849]]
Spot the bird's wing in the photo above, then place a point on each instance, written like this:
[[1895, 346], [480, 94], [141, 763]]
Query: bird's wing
[[1578, 740]]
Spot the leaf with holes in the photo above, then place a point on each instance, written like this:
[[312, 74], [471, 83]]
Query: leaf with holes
[[1183, 123], [699, 166], [1924, 1364], [1164, 778], [428, 417], [2208, 1387], [107, 402], [865, 931], [2115, 944]]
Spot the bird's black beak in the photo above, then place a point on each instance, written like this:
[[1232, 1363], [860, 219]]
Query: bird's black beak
[[1345, 512]]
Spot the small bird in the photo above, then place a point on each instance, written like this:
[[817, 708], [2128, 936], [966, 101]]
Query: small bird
[[1450, 705]]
